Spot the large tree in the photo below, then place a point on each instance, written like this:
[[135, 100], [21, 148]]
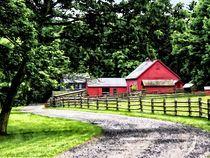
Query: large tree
[[25, 54], [192, 46], [115, 38]]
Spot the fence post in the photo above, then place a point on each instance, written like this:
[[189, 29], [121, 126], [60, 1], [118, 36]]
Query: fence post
[[75, 101], [189, 107], [200, 107], [54, 102], [68, 102], [164, 106], [81, 101], [88, 104], [60, 101], [51, 102], [97, 104], [175, 107], [117, 104], [106, 103], [208, 104], [152, 105], [129, 105], [63, 102], [140, 104]]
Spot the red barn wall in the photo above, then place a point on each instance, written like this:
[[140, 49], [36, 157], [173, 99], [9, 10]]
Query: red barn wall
[[130, 83], [207, 92], [93, 91], [159, 89], [157, 72], [179, 84], [119, 90]]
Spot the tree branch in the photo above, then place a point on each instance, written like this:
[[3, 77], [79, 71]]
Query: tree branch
[[61, 23]]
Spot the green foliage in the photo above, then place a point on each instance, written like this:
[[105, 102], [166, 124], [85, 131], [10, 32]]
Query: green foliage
[[38, 136], [99, 37], [23, 39], [134, 87], [117, 38], [192, 46]]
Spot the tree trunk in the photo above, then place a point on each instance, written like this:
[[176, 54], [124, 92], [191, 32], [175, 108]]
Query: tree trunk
[[7, 104], [4, 117]]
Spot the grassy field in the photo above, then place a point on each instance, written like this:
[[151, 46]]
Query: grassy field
[[38, 136], [192, 121]]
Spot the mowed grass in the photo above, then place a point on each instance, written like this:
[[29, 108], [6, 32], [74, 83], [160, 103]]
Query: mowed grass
[[202, 123], [182, 105], [31, 135]]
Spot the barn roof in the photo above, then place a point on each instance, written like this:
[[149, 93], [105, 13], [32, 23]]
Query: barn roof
[[76, 78], [207, 88], [157, 83], [140, 69], [107, 82], [145, 66], [188, 85]]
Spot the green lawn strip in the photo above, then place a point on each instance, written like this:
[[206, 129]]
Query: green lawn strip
[[38, 136], [183, 106], [17, 108], [192, 121]]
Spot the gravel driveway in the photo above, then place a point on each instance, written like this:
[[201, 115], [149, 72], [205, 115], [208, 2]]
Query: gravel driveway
[[130, 137]]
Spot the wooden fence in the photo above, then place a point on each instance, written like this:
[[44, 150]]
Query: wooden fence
[[174, 107]]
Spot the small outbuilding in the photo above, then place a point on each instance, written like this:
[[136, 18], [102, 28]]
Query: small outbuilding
[[106, 86], [74, 82], [153, 76], [188, 87], [207, 90]]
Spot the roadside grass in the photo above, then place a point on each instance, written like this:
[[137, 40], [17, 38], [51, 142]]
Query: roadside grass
[[192, 121], [31, 135], [17, 108]]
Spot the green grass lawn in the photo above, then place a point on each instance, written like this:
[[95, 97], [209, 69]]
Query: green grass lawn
[[38, 136]]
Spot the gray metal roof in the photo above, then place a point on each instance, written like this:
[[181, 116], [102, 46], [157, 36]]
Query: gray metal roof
[[156, 83], [107, 82], [188, 85], [76, 78], [140, 69], [74, 81], [207, 88]]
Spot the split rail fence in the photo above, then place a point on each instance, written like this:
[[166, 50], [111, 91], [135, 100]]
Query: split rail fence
[[174, 107]]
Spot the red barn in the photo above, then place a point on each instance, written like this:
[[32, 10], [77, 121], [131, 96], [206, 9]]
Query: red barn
[[102, 86], [153, 76], [207, 90]]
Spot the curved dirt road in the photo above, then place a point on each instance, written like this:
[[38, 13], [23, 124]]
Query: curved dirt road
[[130, 137]]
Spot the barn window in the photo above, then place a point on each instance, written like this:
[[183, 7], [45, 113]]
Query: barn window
[[105, 90], [115, 90]]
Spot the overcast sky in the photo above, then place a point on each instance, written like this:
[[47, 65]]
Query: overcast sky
[[172, 1]]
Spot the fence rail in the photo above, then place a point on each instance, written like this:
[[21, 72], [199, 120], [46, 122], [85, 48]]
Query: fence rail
[[192, 108]]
